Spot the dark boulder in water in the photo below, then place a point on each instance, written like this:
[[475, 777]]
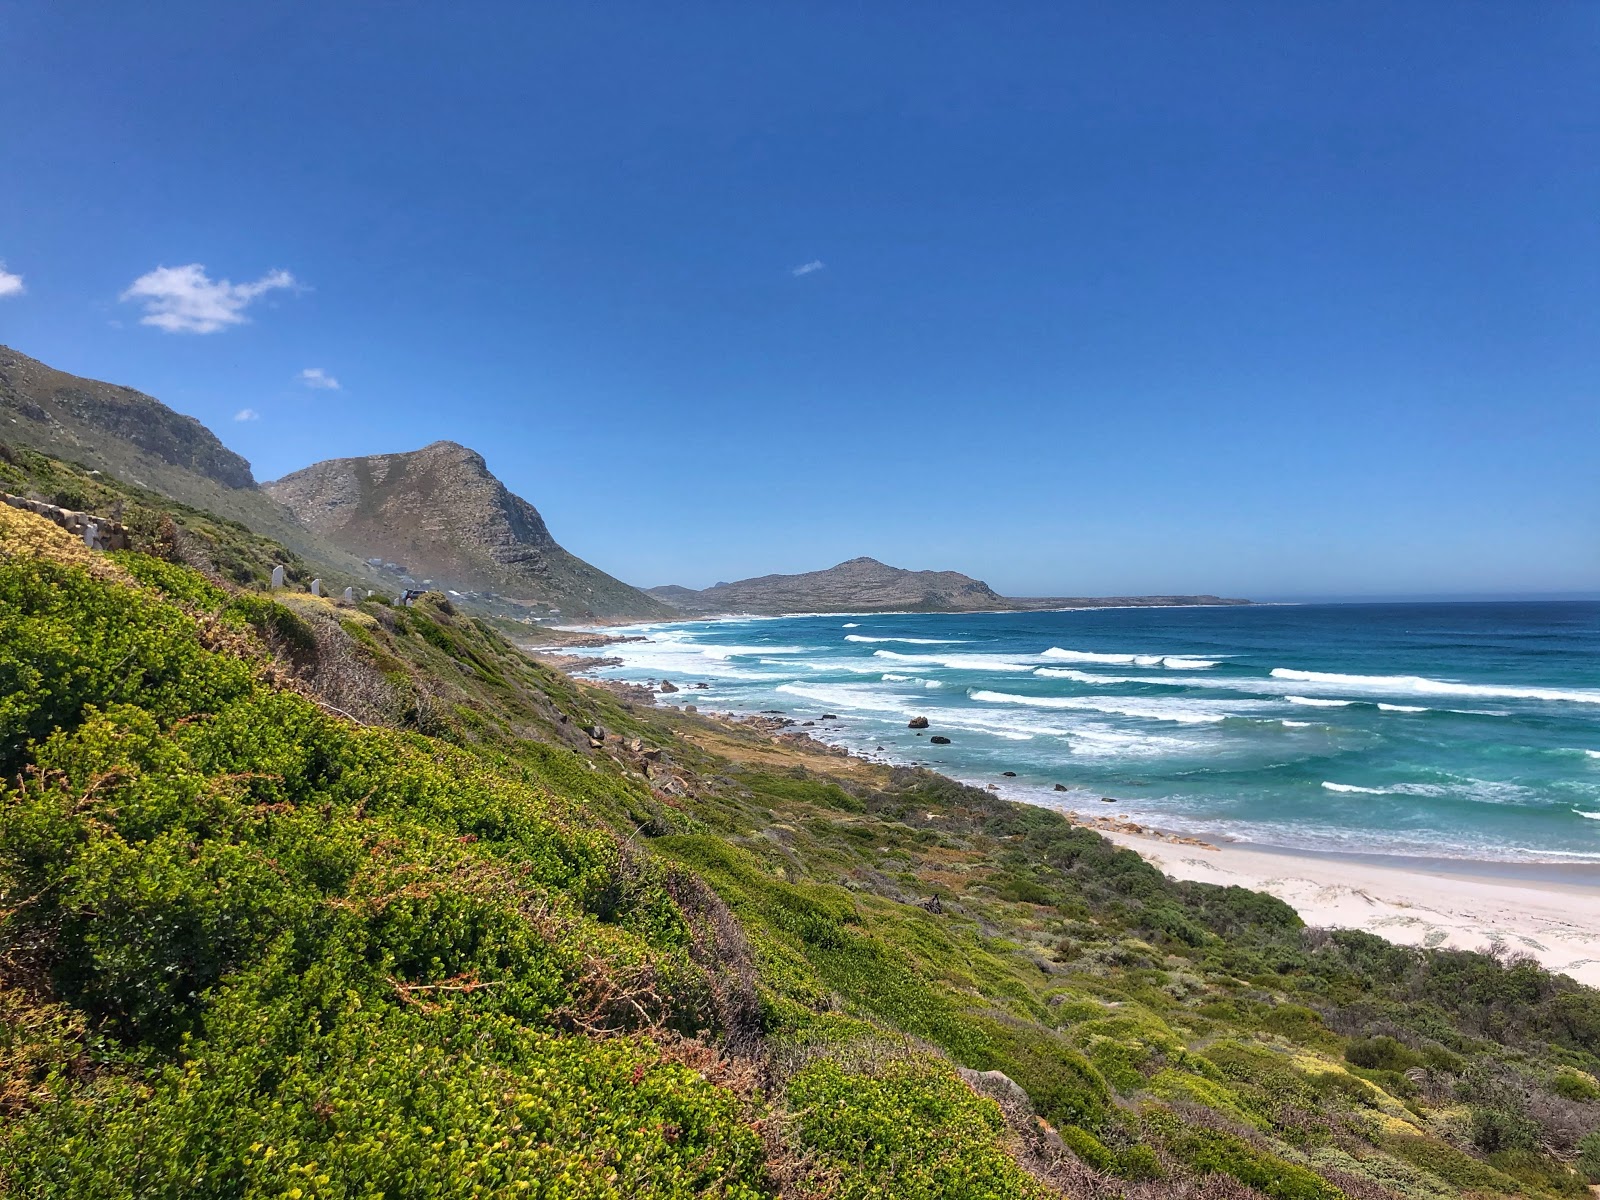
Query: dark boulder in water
[[917, 723], [1061, 787], [937, 740], [1009, 774]]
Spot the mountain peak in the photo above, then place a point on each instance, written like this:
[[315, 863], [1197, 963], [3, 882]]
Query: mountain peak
[[438, 517]]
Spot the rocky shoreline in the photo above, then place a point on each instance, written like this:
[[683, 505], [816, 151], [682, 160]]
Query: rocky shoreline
[[783, 730]]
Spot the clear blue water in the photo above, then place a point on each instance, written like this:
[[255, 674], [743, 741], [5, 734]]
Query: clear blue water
[[1461, 730]]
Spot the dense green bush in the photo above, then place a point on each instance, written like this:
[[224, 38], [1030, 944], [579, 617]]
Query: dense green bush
[[69, 641], [1589, 1157], [908, 1128], [1381, 1053]]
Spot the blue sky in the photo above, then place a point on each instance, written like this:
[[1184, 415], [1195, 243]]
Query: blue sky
[[1255, 298]]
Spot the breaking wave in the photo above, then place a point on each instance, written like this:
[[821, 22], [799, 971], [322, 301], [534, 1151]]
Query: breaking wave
[[1175, 662], [1417, 685], [858, 637], [1153, 710], [958, 662]]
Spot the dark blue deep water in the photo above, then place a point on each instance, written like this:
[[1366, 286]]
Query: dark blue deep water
[[1468, 730]]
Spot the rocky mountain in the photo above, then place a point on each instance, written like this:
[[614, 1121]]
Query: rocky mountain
[[137, 439], [437, 517], [867, 585], [110, 427]]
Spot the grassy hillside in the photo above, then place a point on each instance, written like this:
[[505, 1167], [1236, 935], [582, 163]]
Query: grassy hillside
[[311, 900]]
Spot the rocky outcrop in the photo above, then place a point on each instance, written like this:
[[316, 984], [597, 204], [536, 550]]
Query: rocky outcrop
[[98, 533], [437, 517]]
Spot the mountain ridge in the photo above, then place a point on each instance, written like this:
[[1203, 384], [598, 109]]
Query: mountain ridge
[[864, 584], [135, 438]]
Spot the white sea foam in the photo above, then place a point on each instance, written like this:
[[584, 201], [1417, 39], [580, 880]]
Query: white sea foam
[[866, 698], [858, 637], [1180, 711], [1417, 685], [958, 662], [1174, 662], [1288, 724], [897, 679], [671, 653], [932, 683], [1477, 791], [1410, 708], [1091, 656], [1592, 816], [1592, 753], [1103, 680], [725, 652], [1316, 702], [851, 625]]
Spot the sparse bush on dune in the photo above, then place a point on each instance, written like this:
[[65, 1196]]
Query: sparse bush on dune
[[252, 946]]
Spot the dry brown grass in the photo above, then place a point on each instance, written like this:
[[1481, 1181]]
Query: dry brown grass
[[25, 534]]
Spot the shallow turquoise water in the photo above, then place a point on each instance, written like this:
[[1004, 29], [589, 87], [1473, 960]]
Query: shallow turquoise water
[[1469, 730]]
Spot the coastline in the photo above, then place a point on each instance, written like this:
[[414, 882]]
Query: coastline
[[1436, 903], [1550, 911]]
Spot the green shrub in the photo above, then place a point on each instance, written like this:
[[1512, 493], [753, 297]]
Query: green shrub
[[910, 1129], [69, 641], [1589, 1157], [1570, 1085], [173, 580], [1497, 1129], [279, 626], [1448, 1163], [1382, 1053], [1213, 1152]]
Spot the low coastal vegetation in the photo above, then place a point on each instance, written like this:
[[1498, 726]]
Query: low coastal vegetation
[[312, 899]]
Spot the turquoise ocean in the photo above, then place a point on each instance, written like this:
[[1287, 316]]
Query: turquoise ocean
[[1457, 730]]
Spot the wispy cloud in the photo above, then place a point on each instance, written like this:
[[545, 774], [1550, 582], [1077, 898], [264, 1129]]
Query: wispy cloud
[[10, 285], [816, 264], [186, 300], [316, 377], [247, 414]]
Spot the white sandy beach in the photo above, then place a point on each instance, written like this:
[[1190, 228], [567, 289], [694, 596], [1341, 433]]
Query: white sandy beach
[[1556, 921]]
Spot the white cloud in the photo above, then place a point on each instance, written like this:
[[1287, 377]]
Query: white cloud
[[10, 285], [247, 414], [816, 264], [186, 300], [316, 377]]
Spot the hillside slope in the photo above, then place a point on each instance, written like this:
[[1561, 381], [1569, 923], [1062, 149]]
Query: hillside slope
[[140, 441], [442, 517], [867, 585], [323, 900]]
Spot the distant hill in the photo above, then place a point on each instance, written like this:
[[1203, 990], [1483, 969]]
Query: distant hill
[[867, 585], [438, 517], [140, 441], [859, 585]]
